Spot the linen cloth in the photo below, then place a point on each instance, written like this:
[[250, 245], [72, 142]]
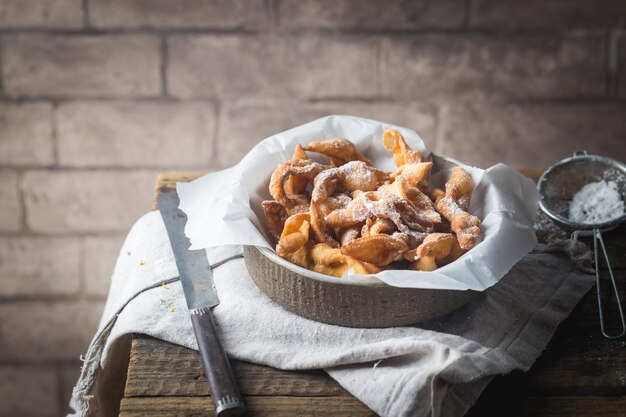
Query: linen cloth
[[438, 368]]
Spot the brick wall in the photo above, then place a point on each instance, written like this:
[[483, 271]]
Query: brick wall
[[98, 96]]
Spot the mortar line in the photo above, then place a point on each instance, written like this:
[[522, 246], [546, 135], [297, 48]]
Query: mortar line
[[86, 17], [82, 269], [104, 99], [121, 31], [56, 162], [151, 169], [218, 110], [382, 52], [59, 394], [2, 93], [66, 235], [583, 99], [164, 65], [272, 10], [52, 299], [440, 109], [21, 202], [18, 362], [324, 99], [612, 59], [467, 17]]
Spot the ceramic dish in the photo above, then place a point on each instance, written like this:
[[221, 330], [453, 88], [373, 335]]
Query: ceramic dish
[[346, 303], [504, 201]]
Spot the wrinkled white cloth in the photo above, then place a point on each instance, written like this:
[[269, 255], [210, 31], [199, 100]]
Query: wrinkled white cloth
[[438, 368]]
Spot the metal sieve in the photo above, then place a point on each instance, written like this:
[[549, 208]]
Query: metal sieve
[[557, 187]]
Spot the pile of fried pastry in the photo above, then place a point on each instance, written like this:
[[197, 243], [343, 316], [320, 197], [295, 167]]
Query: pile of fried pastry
[[349, 215]]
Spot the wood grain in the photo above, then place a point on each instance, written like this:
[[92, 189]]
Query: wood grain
[[166, 181], [262, 406], [347, 406], [577, 406], [508, 405], [165, 369]]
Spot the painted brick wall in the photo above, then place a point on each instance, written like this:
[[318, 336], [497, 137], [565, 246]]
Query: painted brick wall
[[98, 96]]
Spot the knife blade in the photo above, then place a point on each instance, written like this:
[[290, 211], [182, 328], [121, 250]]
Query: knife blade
[[196, 278]]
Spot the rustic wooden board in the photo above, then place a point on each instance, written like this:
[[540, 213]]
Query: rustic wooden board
[[580, 373], [166, 181], [263, 406], [590, 406], [347, 406], [165, 369]]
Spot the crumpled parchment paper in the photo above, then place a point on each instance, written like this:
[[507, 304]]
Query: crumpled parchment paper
[[224, 208]]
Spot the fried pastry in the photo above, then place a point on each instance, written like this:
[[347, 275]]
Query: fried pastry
[[306, 169], [295, 185], [338, 150], [348, 234], [433, 250], [349, 215], [331, 261], [352, 176], [378, 249], [275, 215], [402, 154], [454, 205], [376, 226], [295, 233], [301, 257]]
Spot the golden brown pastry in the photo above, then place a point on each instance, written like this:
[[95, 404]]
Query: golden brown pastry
[[349, 215]]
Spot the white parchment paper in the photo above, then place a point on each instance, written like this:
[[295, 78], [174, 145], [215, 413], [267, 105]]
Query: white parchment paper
[[224, 208]]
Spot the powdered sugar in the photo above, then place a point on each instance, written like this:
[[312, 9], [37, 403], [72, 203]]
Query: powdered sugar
[[354, 175], [597, 202]]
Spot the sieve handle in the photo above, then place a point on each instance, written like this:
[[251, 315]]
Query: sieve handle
[[597, 239]]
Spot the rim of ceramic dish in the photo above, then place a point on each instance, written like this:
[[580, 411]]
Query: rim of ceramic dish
[[578, 157], [273, 256]]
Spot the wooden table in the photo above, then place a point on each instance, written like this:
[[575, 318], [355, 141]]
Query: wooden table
[[579, 374]]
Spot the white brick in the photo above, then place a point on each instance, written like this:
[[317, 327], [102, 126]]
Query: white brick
[[236, 66], [100, 255], [10, 206], [39, 266], [26, 134], [388, 15], [44, 331], [484, 66], [68, 377], [532, 134], [86, 201], [184, 14], [28, 391], [51, 14], [136, 134], [81, 65], [556, 15]]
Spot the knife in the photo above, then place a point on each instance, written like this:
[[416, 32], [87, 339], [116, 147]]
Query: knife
[[197, 280]]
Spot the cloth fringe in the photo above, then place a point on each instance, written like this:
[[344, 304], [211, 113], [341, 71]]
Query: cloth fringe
[[579, 253], [82, 400], [81, 397]]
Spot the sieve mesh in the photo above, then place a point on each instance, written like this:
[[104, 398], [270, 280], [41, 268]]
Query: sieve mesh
[[562, 181]]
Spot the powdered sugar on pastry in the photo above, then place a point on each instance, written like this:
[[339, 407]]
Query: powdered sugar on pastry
[[362, 218]]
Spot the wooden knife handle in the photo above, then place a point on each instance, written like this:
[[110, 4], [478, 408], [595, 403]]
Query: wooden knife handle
[[226, 397]]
